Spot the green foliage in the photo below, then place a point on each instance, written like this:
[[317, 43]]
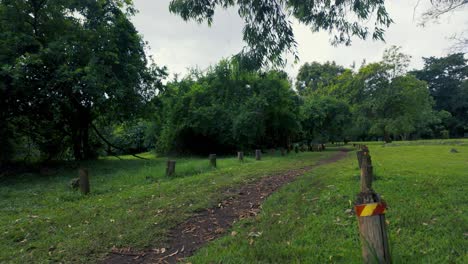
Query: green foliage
[[225, 109], [64, 62], [447, 78], [313, 76], [268, 31], [325, 118], [384, 100]]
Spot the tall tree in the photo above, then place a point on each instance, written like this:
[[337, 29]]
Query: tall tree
[[315, 75], [65, 63], [325, 118], [268, 31], [391, 106], [447, 78], [227, 108]]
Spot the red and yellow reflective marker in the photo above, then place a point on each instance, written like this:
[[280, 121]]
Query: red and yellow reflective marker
[[370, 209]]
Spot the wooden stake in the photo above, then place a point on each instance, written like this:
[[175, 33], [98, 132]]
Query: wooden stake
[[372, 227], [84, 181], [213, 160], [170, 169], [366, 173], [374, 239], [258, 154], [240, 156], [283, 151], [359, 157]]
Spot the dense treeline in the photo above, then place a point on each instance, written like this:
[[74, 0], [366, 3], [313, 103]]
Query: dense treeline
[[75, 82], [225, 108]]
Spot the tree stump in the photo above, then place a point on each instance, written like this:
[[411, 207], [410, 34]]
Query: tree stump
[[240, 156], [84, 181], [258, 154], [213, 160], [170, 169]]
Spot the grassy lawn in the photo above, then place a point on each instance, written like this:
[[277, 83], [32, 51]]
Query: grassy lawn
[[131, 204], [307, 221]]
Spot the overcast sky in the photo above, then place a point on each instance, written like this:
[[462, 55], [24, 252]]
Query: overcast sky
[[180, 45]]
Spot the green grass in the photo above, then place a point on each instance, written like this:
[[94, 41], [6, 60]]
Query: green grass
[[307, 221], [132, 204]]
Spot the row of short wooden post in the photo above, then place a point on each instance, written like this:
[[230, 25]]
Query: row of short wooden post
[[170, 167], [83, 179], [372, 226]]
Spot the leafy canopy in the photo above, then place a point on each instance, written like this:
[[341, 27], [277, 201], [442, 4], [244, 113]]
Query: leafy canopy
[[268, 31]]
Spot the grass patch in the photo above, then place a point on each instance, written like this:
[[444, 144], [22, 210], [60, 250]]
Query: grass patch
[[307, 221], [131, 203]]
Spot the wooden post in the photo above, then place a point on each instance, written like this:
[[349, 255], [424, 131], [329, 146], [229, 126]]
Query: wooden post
[[366, 173], [283, 152], [240, 156], [84, 181], [170, 169], [213, 160], [258, 154], [359, 157], [370, 211]]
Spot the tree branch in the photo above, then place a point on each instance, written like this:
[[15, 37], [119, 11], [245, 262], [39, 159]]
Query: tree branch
[[110, 144]]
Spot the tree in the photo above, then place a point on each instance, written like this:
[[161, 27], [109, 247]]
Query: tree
[[268, 31], [66, 63], [447, 81], [225, 109], [392, 106], [396, 61], [325, 118], [313, 76]]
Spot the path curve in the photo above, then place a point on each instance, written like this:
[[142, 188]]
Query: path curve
[[212, 223]]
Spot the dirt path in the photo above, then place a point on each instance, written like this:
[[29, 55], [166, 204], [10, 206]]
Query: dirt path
[[212, 223]]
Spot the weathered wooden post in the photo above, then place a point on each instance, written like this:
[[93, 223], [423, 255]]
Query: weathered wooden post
[[213, 160], [283, 152], [240, 156], [362, 149], [370, 210], [359, 157], [258, 154], [170, 169], [84, 181]]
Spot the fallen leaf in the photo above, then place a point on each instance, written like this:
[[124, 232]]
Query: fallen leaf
[[255, 234]]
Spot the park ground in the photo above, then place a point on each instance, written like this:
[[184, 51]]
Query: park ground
[[134, 205]]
